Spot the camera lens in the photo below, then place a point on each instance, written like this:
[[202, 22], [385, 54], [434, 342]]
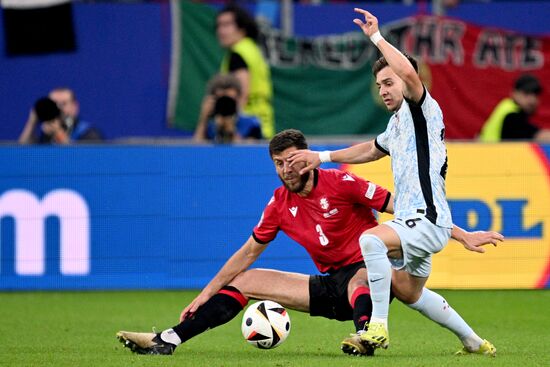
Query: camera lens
[[225, 106]]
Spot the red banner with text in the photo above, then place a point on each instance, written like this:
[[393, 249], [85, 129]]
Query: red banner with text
[[469, 69]]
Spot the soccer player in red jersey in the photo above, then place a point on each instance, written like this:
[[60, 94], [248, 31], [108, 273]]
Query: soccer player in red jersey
[[325, 211]]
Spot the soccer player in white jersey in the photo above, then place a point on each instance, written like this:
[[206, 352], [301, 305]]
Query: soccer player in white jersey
[[414, 138]]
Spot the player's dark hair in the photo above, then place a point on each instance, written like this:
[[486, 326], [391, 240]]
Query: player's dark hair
[[286, 139], [243, 20], [381, 63]]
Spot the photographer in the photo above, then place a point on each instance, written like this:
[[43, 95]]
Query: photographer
[[220, 120], [76, 129], [52, 127]]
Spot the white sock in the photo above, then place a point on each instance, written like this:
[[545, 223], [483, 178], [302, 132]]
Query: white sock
[[170, 336], [379, 273], [436, 308]]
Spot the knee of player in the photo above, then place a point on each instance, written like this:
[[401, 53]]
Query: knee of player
[[372, 244], [243, 280], [358, 284], [406, 298], [405, 294]]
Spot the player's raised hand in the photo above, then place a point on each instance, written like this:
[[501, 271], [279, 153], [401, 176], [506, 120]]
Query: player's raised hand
[[370, 25], [474, 241], [310, 158]]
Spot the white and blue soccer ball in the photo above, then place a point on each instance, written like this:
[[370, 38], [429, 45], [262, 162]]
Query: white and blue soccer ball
[[265, 324]]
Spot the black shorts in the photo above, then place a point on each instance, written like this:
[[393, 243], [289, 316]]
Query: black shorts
[[328, 294]]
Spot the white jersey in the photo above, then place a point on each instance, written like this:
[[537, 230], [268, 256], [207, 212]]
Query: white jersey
[[414, 138]]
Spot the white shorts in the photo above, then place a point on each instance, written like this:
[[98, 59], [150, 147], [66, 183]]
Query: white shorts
[[420, 238]]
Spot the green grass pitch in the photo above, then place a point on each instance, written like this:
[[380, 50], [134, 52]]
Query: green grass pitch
[[78, 329]]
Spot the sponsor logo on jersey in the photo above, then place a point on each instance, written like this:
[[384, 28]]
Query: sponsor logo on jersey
[[370, 191], [347, 177], [331, 213], [293, 211]]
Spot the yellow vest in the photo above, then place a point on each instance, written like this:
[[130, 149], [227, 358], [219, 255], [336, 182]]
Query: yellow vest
[[260, 89], [492, 129]]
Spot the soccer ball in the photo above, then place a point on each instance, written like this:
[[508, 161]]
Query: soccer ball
[[265, 324]]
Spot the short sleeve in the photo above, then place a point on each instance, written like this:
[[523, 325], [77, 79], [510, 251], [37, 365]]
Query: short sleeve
[[516, 127], [267, 228], [236, 62], [381, 143], [368, 193]]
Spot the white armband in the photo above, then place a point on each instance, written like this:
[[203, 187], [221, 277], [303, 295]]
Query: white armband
[[376, 37], [324, 156]]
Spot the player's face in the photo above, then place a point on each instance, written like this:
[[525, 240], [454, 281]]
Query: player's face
[[390, 88], [290, 176], [227, 30]]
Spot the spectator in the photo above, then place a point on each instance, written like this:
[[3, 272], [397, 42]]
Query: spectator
[[510, 120], [75, 128], [237, 32], [220, 119]]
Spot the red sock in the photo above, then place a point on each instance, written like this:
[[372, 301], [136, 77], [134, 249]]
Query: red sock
[[362, 307]]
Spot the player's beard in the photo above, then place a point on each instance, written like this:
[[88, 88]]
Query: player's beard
[[299, 186]]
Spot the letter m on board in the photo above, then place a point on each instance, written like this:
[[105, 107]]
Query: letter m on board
[[30, 213]]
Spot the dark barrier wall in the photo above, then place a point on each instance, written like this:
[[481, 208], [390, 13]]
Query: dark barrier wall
[[168, 217], [121, 68]]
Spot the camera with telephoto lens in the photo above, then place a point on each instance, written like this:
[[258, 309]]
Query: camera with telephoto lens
[[225, 106]]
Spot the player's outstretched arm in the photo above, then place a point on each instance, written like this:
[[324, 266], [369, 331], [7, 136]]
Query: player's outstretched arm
[[359, 153], [474, 241], [396, 60], [237, 263]]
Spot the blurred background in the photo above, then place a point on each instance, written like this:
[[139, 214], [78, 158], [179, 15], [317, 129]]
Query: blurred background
[[150, 206], [122, 63]]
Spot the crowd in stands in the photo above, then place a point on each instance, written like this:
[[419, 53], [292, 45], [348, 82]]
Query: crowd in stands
[[249, 86], [511, 118], [238, 104]]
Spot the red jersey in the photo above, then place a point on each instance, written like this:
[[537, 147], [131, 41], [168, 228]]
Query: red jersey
[[329, 220]]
